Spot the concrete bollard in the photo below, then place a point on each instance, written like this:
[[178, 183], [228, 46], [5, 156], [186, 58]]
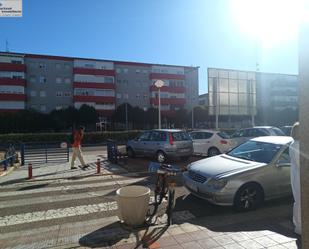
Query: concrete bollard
[[98, 166], [30, 171]]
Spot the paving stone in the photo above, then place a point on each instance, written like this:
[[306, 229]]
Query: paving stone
[[290, 245], [189, 227], [191, 245], [224, 240], [175, 230], [233, 246], [238, 236], [280, 238], [250, 244], [278, 247], [197, 235], [183, 238], [208, 243], [265, 241], [167, 241]]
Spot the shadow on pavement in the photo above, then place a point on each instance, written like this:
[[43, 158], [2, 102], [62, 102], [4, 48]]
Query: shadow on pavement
[[114, 233]]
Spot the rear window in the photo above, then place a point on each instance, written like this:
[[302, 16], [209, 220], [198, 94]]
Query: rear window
[[223, 135], [180, 136]]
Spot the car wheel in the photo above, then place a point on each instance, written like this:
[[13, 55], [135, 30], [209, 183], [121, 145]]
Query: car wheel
[[161, 157], [213, 152], [130, 152], [249, 197]]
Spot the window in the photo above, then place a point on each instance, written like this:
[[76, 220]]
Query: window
[[17, 77], [158, 136], [58, 80], [32, 79], [58, 107], [67, 94], [285, 157], [138, 96], [67, 80], [125, 70], [58, 94], [16, 62], [58, 65], [42, 79], [34, 107], [144, 136], [145, 96], [137, 71], [89, 65], [118, 70], [42, 94], [119, 81], [126, 96], [118, 95], [32, 64], [33, 93], [43, 108], [42, 65], [145, 71], [66, 66]]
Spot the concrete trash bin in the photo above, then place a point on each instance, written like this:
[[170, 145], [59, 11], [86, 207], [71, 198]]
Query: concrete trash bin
[[133, 202]]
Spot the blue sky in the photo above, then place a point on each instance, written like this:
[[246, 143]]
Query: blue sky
[[196, 32]]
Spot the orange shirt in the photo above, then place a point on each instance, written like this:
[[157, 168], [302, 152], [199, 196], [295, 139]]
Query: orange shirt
[[78, 137]]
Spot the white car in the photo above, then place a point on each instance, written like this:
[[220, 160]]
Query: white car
[[210, 143]]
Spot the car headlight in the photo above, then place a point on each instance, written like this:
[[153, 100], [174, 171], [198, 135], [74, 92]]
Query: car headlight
[[217, 183]]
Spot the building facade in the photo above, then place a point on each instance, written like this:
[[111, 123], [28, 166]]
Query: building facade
[[46, 83], [246, 98]]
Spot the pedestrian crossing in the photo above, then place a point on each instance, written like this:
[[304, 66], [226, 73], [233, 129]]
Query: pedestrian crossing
[[49, 205]]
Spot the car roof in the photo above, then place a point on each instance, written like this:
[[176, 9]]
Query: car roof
[[273, 139], [260, 127], [168, 130], [205, 130]]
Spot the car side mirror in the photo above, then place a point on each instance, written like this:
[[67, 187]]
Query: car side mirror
[[282, 164]]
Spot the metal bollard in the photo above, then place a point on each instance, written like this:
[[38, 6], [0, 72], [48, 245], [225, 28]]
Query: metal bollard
[[98, 166], [30, 171]]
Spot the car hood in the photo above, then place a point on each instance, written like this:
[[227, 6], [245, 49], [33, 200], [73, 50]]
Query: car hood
[[223, 166]]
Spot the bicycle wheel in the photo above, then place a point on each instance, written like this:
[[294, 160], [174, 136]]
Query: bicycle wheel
[[170, 206], [160, 190]]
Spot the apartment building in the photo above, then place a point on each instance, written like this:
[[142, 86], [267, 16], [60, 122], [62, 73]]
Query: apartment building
[[46, 83]]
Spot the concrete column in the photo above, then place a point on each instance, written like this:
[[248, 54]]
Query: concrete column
[[304, 130]]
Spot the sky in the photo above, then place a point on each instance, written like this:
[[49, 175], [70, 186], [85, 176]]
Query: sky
[[204, 33]]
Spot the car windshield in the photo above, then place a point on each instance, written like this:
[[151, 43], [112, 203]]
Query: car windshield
[[256, 151], [277, 131]]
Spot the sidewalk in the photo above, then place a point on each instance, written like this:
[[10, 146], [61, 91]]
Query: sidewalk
[[269, 227]]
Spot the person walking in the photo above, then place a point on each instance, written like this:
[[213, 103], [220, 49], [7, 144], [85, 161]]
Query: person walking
[[76, 147], [295, 177]]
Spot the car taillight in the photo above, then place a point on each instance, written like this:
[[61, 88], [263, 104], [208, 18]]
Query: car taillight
[[223, 141], [171, 139]]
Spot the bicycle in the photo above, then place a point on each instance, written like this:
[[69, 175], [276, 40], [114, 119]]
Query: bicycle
[[165, 187]]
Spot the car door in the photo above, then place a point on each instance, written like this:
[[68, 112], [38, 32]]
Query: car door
[[196, 138], [283, 180], [239, 137], [155, 143], [139, 145], [207, 141]]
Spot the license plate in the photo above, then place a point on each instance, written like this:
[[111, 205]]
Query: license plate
[[192, 186]]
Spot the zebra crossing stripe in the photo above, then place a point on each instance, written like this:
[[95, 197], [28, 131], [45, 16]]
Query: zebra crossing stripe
[[71, 187]]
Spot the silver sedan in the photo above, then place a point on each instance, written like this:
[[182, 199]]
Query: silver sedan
[[257, 170]]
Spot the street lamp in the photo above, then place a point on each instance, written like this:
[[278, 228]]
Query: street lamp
[[159, 84]]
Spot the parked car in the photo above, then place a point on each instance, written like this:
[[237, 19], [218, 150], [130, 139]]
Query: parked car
[[210, 143], [162, 144], [245, 134], [257, 170], [286, 130]]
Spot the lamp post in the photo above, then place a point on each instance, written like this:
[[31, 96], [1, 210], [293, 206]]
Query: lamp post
[[126, 109], [159, 84]]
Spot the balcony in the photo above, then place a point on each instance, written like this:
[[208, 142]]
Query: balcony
[[170, 89], [12, 82], [96, 99], [11, 67], [94, 85], [162, 76], [13, 97], [168, 101], [93, 71]]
